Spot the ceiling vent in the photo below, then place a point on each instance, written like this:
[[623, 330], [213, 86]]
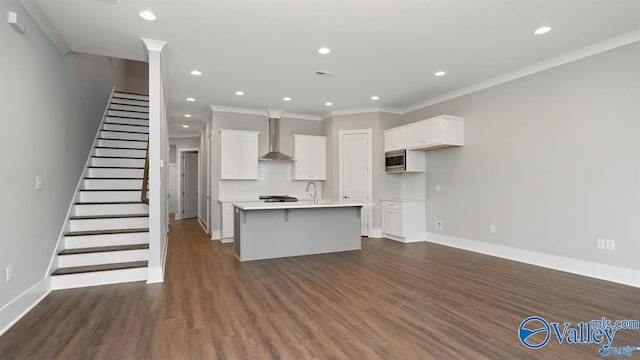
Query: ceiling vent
[[325, 73]]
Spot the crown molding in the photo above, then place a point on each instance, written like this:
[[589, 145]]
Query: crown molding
[[45, 24], [238, 110], [298, 116], [364, 110], [594, 49]]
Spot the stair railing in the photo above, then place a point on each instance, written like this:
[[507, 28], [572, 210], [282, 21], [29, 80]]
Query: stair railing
[[145, 178]]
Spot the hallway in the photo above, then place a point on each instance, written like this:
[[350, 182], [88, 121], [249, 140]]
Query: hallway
[[388, 301]]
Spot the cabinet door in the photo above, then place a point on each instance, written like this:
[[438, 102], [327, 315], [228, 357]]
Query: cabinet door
[[435, 132], [416, 135], [387, 221], [249, 157], [227, 221], [302, 153], [318, 158], [230, 155], [397, 223], [395, 139]]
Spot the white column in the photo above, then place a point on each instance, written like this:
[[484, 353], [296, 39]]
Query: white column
[[157, 131]]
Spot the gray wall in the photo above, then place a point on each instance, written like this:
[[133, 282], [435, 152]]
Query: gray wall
[[552, 159], [224, 120], [384, 185], [50, 106]]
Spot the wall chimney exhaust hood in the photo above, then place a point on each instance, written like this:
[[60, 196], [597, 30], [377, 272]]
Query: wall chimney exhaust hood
[[274, 153]]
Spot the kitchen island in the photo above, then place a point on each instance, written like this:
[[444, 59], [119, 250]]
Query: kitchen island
[[274, 230]]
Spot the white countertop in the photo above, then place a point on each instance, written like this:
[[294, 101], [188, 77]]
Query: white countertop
[[402, 199], [296, 205]]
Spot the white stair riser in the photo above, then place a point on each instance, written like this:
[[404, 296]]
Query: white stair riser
[[98, 278], [130, 114], [100, 196], [117, 162], [120, 152], [142, 129], [107, 172], [110, 209], [122, 95], [123, 144], [109, 257], [108, 224], [120, 120], [90, 184], [129, 102], [120, 135], [115, 106], [87, 241]]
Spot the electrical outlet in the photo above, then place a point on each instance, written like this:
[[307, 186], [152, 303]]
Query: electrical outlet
[[600, 244], [38, 182], [492, 229], [610, 244], [9, 273], [439, 225]]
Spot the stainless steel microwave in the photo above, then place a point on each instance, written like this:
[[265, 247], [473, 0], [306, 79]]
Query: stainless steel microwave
[[395, 161]]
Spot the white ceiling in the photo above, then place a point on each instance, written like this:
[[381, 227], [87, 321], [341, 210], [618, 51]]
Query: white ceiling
[[389, 48]]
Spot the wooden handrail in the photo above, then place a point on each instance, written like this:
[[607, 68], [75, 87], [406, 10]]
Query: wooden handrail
[[145, 178]]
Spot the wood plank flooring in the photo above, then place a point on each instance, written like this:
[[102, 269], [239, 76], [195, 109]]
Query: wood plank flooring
[[388, 301]]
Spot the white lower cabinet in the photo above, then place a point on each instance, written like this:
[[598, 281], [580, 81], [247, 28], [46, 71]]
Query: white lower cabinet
[[403, 220], [227, 222]]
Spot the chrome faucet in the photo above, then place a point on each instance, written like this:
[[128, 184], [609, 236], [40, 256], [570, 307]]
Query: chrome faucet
[[315, 192]]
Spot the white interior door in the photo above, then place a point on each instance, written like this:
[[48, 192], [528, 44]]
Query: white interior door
[[173, 189], [189, 185], [355, 156]]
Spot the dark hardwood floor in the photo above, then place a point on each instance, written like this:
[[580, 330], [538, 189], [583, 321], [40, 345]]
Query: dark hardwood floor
[[388, 301]]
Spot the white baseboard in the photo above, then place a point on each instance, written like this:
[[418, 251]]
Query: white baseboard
[[399, 239], [21, 305], [375, 233], [156, 273], [215, 234], [202, 224], [575, 266], [226, 240]]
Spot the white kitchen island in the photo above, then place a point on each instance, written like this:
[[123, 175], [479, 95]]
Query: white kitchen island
[[274, 230]]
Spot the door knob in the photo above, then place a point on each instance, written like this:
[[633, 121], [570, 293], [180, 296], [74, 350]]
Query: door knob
[[345, 196]]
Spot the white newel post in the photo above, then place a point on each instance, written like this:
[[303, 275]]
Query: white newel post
[[157, 140]]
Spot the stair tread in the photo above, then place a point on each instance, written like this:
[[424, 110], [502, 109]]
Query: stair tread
[[112, 178], [106, 202], [126, 132], [123, 124], [117, 148], [110, 190], [127, 92], [127, 110], [119, 216], [106, 232], [101, 138], [126, 117], [115, 167], [103, 267], [117, 157], [117, 102], [101, 249]]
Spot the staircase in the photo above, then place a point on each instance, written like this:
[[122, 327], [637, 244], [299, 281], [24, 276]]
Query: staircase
[[106, 238]]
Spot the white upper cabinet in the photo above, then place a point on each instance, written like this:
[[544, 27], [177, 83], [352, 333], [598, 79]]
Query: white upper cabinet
[[395, 139], [310, 153], [238, 155], [437, 133]]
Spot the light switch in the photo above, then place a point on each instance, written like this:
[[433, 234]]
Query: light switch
[[38, 182]]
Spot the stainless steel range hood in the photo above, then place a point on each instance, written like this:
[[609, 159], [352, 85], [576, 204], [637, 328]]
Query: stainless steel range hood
[[274, 153]]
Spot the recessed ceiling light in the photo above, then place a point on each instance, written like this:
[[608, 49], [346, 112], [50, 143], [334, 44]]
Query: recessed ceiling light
[[239, 92], [328, 103], [187, 115], [185, 126], [148, 15], [324, 50], [542, 30], [440, 73], [375, 98], [286, 98], [196, 72], [190, 99]]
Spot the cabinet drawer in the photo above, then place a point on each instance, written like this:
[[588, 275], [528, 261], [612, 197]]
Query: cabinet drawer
[[391, 204]]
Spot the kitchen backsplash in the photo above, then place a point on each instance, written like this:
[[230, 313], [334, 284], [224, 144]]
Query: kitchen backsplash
[[274, 178]]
